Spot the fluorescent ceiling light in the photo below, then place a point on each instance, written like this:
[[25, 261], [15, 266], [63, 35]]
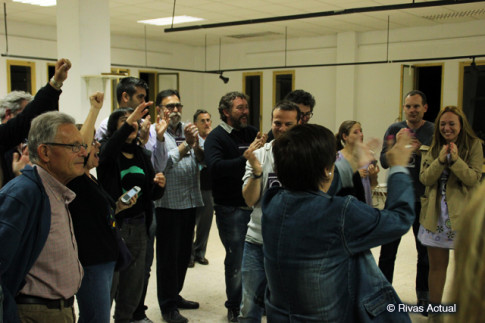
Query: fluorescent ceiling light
[[168, 20], [42, 3]]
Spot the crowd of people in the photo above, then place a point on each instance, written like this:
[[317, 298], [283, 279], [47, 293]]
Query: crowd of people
[[293, 209]]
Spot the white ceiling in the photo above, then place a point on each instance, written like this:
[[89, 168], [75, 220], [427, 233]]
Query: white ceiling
[[124, 15]]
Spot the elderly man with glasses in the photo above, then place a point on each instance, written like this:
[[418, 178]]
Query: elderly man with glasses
[[176, 152], [40, 271]]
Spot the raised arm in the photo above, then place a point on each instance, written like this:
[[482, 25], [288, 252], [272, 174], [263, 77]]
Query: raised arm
[[374, 227], [87, 130], [46, 99], [252, 178]]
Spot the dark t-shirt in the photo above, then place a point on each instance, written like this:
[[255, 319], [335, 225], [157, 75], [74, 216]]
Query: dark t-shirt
[[92, 213], [424, 134], [132, 174]]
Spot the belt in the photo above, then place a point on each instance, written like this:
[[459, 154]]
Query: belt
[[50, 303], [136, 220]]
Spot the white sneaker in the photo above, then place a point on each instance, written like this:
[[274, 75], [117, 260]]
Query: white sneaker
[[145, 320]]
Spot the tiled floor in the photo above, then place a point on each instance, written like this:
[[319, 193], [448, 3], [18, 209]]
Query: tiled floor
[[205, 284]]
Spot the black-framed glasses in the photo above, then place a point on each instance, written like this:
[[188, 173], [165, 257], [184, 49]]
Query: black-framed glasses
[[74, 147], [307, 115], [172, 106]]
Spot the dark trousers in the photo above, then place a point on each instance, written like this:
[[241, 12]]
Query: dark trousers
[[203, 221], [128, 283], [42, 314], [139, 313], [175, 231], [388, 253]]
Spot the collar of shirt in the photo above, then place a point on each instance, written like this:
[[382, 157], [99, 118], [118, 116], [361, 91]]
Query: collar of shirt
[[178, 130], [226, 127], [60, 191]]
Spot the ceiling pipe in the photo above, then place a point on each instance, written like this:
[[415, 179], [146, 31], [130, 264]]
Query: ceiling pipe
[[412, 5], [408, 60]]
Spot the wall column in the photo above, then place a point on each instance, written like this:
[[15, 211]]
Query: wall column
[[83, 36]]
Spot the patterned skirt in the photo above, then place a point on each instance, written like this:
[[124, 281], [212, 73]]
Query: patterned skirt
[[444, 236]]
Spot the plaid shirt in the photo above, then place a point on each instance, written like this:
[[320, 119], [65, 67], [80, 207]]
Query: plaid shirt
[[182, 172], [57, 272]]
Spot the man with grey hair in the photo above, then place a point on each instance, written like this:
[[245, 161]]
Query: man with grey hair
[[14, 103], [40, 271]]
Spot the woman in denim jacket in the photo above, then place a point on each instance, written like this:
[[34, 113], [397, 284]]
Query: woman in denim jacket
[[316, 245]]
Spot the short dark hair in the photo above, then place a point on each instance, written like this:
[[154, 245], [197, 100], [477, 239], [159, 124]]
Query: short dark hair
[[129, 85], [286, 105], [113, 120], [424, 100], [301, 156], [164, 94], [199, 111], [301, 97], [227, 101]]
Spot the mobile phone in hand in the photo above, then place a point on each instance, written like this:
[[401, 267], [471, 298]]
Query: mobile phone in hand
[[128, 195]]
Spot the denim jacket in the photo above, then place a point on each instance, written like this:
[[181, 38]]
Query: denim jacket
[[317, 259]]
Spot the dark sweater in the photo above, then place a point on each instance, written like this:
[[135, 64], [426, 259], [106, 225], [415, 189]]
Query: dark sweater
[[109, 170], [223, 153], [16, 130], [92, 212]]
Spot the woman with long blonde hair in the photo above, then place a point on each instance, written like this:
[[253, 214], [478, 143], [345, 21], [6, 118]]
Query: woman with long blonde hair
[[450, 170]]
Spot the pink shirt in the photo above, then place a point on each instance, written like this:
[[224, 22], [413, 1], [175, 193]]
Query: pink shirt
[[57, 272]]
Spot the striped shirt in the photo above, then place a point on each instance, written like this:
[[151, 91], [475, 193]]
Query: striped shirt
[[57, 272]]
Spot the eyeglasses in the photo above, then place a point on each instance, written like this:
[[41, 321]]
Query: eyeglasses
[[94, 142], [172, 106], [74, 147], [307, 115]]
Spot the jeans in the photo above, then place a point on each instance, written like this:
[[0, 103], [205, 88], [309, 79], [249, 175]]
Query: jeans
[[175, 232], [388, 253], [93, 296], [139, 313], [232, 223], [1, 304], [128, 284], [203, 222], [253, 283]]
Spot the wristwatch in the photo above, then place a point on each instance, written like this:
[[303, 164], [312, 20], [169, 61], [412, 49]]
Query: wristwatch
[[257, 176]]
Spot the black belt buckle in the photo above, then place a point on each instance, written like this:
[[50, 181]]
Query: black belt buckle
[[136, 220], [49, 303]]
